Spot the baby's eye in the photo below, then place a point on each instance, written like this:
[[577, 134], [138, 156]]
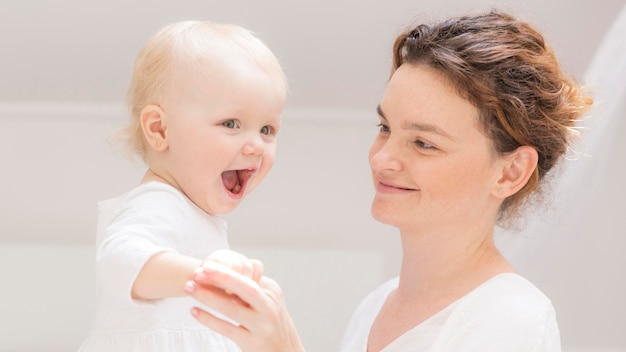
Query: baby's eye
[[383, 128], [230, 124], [267, 130]]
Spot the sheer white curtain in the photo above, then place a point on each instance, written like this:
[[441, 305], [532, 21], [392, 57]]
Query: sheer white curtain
[[574, 249]]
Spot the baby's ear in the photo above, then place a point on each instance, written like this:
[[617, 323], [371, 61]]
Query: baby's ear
[[153, 126], [518, 167]]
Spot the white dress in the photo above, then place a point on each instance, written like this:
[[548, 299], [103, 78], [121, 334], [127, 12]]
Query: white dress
[[506, 313], [150, 219]]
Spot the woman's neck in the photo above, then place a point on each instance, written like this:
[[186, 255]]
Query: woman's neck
[[448, 263]]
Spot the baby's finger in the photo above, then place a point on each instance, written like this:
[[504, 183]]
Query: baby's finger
[[257, 269], [228, 258], [246, 267]]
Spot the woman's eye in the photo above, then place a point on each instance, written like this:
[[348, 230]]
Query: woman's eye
[[230, 124], [267, 130], [424, 145], [383, 127]]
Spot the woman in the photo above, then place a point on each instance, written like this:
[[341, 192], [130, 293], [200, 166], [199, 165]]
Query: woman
[[475, 114]]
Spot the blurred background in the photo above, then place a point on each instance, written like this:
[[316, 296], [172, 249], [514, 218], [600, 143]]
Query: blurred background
[[64, 71]]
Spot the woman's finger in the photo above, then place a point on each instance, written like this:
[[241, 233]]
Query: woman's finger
[[222, 327], [264, 323], [228, 305], [245, 288]]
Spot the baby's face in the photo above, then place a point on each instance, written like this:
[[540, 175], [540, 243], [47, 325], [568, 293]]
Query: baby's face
[[221, 134]]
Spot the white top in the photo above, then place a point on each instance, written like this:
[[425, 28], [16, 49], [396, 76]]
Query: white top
[[150, 219], [504, 314]]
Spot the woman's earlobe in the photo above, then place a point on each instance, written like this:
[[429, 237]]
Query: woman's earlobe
[[519, 168], [153, 125]]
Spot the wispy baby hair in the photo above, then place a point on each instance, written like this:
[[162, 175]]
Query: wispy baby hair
[[183, 48]]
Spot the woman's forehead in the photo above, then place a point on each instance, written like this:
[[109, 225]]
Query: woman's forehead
[[418, 95]]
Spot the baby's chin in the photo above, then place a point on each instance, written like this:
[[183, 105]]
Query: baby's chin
[[217, 204]]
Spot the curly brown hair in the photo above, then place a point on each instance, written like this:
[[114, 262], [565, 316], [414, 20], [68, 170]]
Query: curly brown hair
[[505, 68]]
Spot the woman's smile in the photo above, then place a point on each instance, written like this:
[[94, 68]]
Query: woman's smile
[[388, 187]]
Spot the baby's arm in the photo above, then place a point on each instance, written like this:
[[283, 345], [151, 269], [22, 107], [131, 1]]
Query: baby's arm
[[165, 274]]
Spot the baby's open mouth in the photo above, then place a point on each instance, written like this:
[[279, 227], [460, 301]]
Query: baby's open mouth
[[235, 180]]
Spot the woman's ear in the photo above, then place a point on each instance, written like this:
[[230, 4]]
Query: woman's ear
[[154, 127], [519, 166]]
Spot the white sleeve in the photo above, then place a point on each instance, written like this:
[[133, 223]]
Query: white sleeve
[[512, 325], [144, 225]]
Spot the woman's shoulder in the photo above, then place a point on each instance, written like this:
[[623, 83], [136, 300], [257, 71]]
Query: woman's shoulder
[[509, 306], [510, 290], [505, 313]]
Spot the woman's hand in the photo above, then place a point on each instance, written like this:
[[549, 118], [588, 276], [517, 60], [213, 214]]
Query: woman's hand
[[237, 262], [259, 308]]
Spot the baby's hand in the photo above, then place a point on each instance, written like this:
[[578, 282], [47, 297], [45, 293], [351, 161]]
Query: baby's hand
[[237, 262]]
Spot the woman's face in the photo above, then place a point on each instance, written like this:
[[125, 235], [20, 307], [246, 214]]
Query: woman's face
[[431, 165]]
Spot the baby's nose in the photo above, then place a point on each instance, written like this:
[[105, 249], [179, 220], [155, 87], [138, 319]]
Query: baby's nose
[[254, 146]]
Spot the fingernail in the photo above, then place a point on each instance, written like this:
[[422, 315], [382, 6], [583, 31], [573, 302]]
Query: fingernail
[[194, 311], [198, 271], [190, 287]]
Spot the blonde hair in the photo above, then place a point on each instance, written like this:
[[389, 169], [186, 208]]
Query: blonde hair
[[184, 47]]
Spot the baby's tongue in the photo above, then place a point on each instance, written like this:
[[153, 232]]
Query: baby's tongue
[[229, 178]]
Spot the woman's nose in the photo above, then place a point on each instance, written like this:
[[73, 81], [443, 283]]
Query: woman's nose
[[384, 157]]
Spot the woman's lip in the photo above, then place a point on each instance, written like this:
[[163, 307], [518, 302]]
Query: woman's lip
[[388, 187]]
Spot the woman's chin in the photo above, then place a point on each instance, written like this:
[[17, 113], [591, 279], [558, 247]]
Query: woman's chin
[[384, 216]]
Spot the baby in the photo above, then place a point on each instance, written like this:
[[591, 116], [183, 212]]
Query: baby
[[206, 101]]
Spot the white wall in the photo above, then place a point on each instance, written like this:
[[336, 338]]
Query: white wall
[[309, 221], [336, 53], [47, 305], [46, 298]]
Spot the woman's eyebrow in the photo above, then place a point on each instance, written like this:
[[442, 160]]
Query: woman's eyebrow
[[380, 112], [426, 128], [407, 125]]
